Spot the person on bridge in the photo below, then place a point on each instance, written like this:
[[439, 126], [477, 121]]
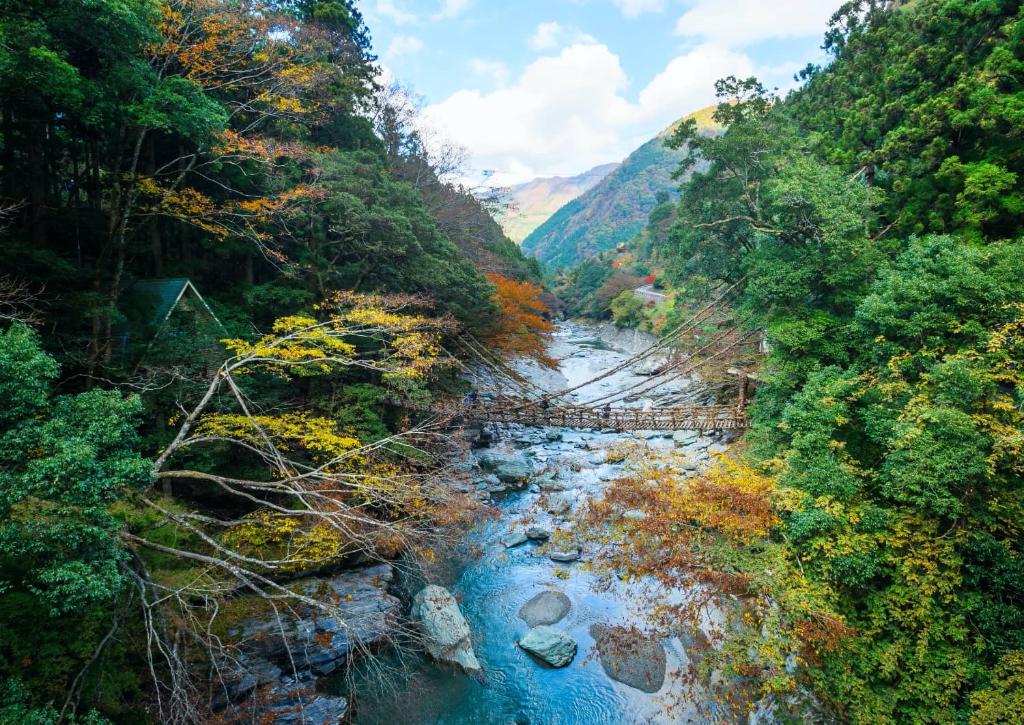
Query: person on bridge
[[606, 410], [545, 404]]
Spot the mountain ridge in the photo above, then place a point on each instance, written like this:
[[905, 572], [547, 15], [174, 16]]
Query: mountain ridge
[[536, 200], [616, 208]]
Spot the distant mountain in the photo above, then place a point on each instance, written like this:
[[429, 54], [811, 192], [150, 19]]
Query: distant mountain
[[535, 201], [616, 208]]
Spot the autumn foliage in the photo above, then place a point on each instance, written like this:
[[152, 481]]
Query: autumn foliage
[[706, 544], [521, 328]]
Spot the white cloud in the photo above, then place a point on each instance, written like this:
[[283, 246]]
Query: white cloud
[[551, 36], [740, 22], [391, 10], [636, 8], [687, 83], [545, 37], [495, 70], [451, 9], [569, 112], [404, 45]]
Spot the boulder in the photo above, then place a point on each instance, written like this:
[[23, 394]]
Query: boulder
[[508, 466], [446, 633], [635, 515], [538, 533], [312, 640], [546, 608], [549, 645], [297, 702], [684, 438], [514, 538], [631, 657]]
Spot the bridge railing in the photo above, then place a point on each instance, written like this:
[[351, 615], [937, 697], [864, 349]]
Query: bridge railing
[[525, 412]]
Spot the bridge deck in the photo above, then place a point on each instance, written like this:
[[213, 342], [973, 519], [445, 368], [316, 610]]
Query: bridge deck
[[706, 417]]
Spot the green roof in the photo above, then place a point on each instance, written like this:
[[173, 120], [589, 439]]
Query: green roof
[[147, 304], [163, 295]]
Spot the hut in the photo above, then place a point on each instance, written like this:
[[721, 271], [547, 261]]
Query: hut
[[167, 320]]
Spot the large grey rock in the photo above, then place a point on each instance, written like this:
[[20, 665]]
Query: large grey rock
[[684, 438], [545, 608], [509, 466], [312, 639], [446, 633], [631, 657], [299, 703], [549, 645]]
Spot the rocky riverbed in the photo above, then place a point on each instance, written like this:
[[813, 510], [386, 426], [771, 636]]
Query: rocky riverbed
[[554, 641]]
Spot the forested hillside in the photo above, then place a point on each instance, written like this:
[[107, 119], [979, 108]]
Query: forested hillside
[[872, 221], [614, 210], [227, 262], [531, 204]]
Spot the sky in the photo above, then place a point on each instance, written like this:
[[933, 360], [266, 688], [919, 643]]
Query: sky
[[534, 88]]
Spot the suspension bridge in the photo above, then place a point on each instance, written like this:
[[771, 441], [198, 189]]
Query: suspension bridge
[[518, 400]]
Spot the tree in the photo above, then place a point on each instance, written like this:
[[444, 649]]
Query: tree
[[316, 494], [628, 309], [521, 328], [64, 462]]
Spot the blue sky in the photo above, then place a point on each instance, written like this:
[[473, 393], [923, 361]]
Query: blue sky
[[554, 87]]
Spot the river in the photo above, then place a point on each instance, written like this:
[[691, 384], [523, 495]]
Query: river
[[492, 582]]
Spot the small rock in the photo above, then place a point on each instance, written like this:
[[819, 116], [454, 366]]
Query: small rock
[[564, 556], [559, 503], [446, 633], [514, 538], [550, 645], [553, 436], [635, 515], [538, 533], [545, 608]]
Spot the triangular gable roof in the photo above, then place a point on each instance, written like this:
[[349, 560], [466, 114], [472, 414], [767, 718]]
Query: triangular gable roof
[[168, 293]]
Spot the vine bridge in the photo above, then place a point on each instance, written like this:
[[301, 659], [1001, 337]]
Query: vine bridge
[[520, 401]]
